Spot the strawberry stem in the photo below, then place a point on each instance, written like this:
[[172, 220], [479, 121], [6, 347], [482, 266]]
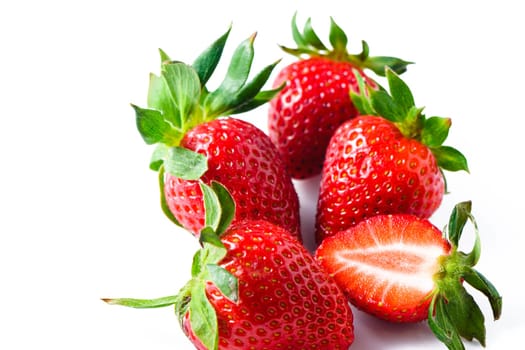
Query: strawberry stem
[[453, 312]]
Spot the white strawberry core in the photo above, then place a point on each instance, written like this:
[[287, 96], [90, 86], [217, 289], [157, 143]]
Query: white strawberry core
[[403, 264]]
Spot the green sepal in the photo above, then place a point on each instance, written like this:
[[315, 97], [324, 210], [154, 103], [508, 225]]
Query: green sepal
[[441, 325], [164, 58], [459, 217], [400, 91], [184, 163], [465, 314], [227, 205], [261, 98], [212, 207], [435, 131], [178, 99], [337, 36], [160, 153], [143, 303], [208, 60], [453, 313], [398, 106], [227, 283], [450, 158], [163, 202], [160, 99], [185, 89], [153, 127], [212, 252], [203, 317], [309, 44], [310, 36], [377, 64], [481, 283], [224, 96], [250, 96], [361, 100]]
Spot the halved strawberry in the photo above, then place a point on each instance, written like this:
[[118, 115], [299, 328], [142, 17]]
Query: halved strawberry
[[315, 99], [198, 140], [401, 268], [255, 287]]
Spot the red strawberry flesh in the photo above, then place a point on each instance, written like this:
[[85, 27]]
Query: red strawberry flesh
[[386, 264]]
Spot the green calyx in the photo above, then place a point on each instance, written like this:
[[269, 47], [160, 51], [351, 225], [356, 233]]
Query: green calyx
[[399, 107], [192, 299], [309, 44], [453, 313], [179, 100]]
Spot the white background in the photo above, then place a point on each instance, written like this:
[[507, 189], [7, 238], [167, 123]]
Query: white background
[[79, 214]]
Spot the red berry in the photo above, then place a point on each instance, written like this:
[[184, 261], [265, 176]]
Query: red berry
[[244, 160]]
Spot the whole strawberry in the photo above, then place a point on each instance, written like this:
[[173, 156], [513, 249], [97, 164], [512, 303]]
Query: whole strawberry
[[197, 140], [388, 160], [401, 268], [315, 99], [256, 287]]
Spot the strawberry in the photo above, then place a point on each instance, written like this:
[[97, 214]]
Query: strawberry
[[197, 139], [401, 268], [255, 286], [315, 100], [388, 160]]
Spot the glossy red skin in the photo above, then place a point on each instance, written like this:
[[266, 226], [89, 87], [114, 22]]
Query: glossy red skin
[[370, 169], [307, 111], [387, 300], [244, 160], [286, 301]]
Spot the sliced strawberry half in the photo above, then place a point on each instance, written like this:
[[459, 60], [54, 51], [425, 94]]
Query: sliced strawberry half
[[402, 268]]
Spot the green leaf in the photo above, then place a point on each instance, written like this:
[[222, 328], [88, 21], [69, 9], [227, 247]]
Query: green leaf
[[296, 34], [465, 314], [450, 158], [225, 95], [203, 318], [400, 92], [185, 88], [481, 283], [163, 203], [224, 280], [208, 60], [143, 303], [360, 100], [227, 205], [159, 98], [441, 325], [261, 98], [212, 207], [164, 58], [153, 127], [365, 51], [338, 38], [250, 91], [385, 106], [311, 37], [208, 239], [377, 64], [160, 154], [457, 221], [212, 252], [185, 164], [435, 131]]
